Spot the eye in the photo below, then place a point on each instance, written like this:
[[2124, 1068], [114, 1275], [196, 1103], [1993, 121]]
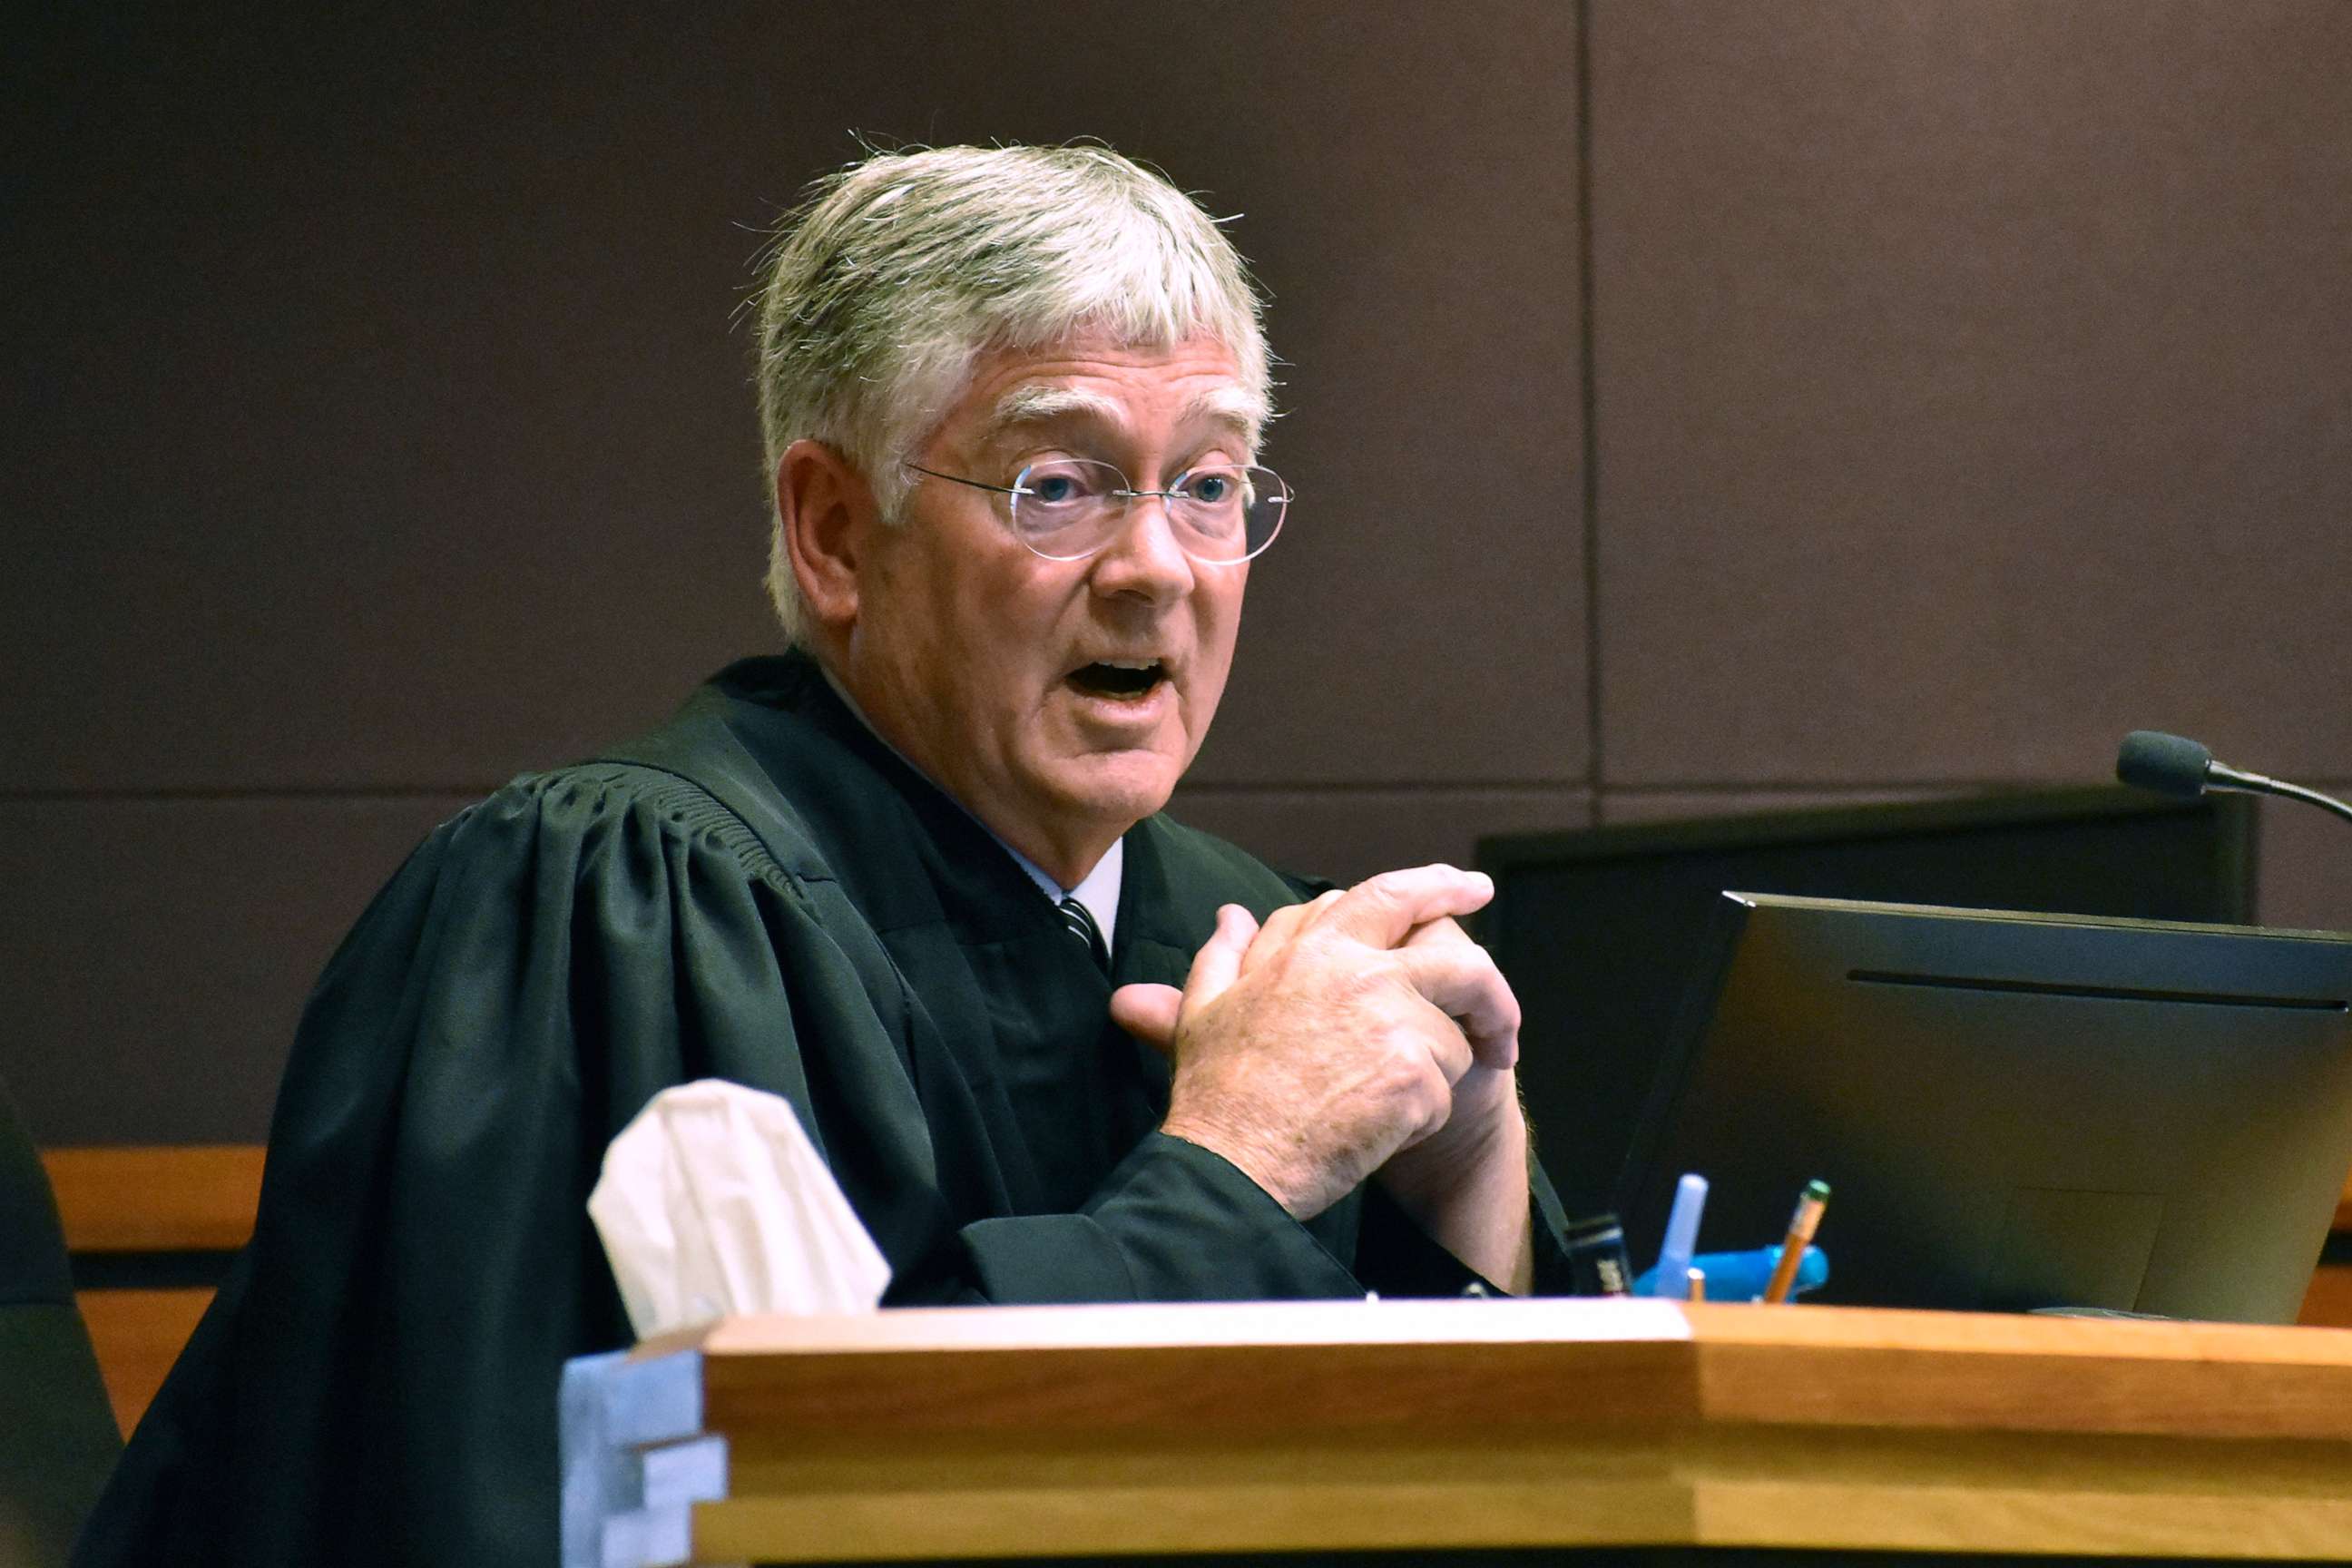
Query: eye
[[1066, 481], [1211, 488], [1055, 495]]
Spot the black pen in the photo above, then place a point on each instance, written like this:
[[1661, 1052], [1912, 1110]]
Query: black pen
[[1596, 1261]]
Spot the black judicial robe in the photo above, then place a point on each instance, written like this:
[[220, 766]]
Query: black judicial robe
[[759, 891]]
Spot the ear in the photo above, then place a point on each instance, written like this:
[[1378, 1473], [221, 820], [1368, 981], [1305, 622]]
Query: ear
[[827, 508]]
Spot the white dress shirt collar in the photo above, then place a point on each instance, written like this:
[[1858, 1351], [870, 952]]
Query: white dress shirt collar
[[1097, 890]]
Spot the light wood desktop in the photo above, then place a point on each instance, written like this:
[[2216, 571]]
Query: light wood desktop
[[1034, 1431]]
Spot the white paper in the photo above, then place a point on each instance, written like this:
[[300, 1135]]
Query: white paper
[[714, 1203]]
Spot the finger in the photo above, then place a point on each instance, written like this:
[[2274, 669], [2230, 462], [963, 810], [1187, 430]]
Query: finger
[[1284, 925], [1449, 1046], [1149, 1014], [1436, 931], [1382, 910], [1461, 981], [1219, 962]]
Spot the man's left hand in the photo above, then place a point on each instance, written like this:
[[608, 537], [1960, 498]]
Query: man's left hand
[[1466, 1183]]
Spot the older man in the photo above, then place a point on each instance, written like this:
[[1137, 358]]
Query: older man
[[910, 876]]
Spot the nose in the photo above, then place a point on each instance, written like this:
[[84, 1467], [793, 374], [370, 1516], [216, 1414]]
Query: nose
[[1144, 561]]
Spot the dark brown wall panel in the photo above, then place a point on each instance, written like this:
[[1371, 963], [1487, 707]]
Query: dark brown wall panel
[[159, 951], [380, 420], [1428, 622], [1974, 383], [1348, 834]]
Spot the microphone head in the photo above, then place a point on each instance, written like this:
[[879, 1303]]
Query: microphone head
[[2168, 764]]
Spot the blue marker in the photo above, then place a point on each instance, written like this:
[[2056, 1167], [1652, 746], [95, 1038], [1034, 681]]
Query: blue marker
[[1682, 1238]]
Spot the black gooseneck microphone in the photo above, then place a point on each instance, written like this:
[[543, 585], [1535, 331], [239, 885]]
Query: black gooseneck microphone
[[2174, 766]]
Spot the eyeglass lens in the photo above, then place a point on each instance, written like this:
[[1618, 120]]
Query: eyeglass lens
[[1069, 507]]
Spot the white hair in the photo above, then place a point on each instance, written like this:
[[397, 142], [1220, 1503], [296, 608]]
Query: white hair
[[898, 271]]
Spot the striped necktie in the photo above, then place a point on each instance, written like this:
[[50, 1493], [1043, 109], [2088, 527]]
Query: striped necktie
[[1081, 923]]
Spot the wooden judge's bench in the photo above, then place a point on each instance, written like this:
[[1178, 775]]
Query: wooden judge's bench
[[124, 1206], [1423, 1428], [1440, 1428]]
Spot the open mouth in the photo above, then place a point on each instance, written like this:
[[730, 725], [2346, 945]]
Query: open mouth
[[1120, 680]]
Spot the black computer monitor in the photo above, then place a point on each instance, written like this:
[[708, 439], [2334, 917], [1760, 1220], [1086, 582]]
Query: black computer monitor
[[1598, 928], [2014, 1110]]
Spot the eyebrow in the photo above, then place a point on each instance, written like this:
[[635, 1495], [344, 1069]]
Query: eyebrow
[[1227, 407]]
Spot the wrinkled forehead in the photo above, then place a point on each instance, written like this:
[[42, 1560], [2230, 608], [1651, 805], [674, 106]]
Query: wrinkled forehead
[[1226, 410], [1195, 389]]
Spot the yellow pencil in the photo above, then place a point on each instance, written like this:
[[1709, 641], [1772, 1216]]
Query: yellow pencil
[[1802, 1226]]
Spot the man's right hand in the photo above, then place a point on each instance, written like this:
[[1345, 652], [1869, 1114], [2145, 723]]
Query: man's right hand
[[1309, 1052]]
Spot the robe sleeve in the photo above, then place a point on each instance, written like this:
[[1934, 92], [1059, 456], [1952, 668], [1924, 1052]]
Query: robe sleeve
[[1173, 1223], [376, 1382], [1178, 1223]]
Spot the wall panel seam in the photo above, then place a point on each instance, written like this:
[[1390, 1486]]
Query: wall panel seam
[[1588, 374]]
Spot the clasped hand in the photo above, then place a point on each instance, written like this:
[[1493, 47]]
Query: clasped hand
[[1360, 1035]]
